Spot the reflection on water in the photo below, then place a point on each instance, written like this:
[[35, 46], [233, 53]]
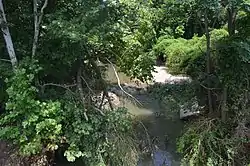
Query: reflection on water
[[161, 158]]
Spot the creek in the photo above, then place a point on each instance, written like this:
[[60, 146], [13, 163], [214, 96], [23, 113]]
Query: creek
[[160, 122]]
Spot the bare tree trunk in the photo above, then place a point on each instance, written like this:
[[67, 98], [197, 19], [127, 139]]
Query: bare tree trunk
[[80, 89], [231, 30], [79, 84], [37, 22], [231, 20], [36, 29], [224, 108], [7, 36], [208, 54]]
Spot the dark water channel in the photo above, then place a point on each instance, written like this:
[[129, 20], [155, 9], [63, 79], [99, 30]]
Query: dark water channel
[[161, 123], [164, 127]]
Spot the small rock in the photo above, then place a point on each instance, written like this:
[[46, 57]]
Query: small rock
[[189, 111]]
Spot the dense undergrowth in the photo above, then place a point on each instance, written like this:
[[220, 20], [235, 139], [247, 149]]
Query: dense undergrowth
[[213, 138], [45, 125], [191, 57], [208, 142], [173, 96]]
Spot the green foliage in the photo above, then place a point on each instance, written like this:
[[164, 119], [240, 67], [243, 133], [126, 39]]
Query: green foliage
[[186, 56], [216, 145], [243, 23], [30, 123], [120, 31], [233, 57], [207, 142], [139, 35], [97, 139], [37, 126], [131, 33], [179, 31], [173, 96]]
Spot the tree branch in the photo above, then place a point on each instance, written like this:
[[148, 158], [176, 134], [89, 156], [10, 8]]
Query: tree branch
[[5, 60], [80, 88], [208, 87], [103, 96], [37, 23], [99, 110], [57, 85], [208, 63], [87, 85], [42, 12], [109, 101], [98, 71], [119, 84]]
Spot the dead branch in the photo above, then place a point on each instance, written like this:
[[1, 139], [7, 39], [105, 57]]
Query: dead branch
[[99, 110], [98, 71], [67, 87], [59, 85], [5, 60], [109, 101], [42, 12], [105, 93], [146, 132], [148, 137], [208, 87], [119, 84], [87, 85]]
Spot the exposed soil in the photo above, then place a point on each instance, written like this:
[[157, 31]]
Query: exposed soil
[[8, 155]]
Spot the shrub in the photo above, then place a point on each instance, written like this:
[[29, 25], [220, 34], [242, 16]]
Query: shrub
[[187, 56], [32, 124], [220, 143], [234, 57], [207, 142], [96, 140], [180, 53]]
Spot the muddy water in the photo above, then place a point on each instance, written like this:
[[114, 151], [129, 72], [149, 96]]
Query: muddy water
[[161, 123], [162, 126]]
